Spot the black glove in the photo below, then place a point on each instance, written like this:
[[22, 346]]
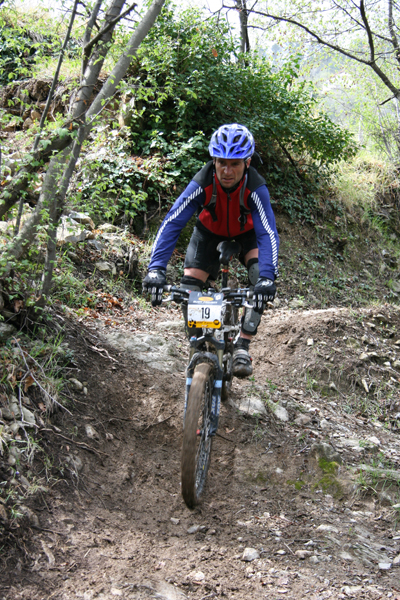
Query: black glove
[[264, 291], [154, 283]]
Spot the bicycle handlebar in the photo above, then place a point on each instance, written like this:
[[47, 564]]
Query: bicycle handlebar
[[180, 295]]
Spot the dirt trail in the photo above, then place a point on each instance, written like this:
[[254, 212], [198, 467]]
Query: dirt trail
[[116, 526]]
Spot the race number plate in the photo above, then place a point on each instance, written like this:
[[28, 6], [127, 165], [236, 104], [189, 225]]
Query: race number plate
[[204, 310]]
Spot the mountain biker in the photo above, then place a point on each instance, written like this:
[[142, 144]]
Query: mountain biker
[[233, 202]]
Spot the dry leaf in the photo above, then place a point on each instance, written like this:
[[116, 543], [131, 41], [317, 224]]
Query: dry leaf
[[215, 53], [28, 382], [18, 304]]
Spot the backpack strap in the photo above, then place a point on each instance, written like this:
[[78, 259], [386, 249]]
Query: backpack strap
[[244, 211], [213, 201]]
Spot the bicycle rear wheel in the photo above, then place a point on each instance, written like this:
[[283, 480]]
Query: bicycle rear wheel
[[196, 447]]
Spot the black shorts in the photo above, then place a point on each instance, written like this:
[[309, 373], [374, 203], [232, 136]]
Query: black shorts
[[202, 251]]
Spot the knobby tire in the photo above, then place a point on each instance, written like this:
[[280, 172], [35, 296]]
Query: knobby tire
[[196, 446]]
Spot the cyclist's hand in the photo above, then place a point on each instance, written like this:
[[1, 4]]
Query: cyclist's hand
[[264, 291], [154, 284]]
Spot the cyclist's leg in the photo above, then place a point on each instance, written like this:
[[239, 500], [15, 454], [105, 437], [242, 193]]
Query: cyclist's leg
[[242, 366]]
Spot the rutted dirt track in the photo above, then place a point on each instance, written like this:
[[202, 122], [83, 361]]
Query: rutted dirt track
[[117, 525]]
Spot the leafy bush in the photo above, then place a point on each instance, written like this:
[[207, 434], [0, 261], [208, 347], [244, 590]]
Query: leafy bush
[[23, 43], [189, 78]]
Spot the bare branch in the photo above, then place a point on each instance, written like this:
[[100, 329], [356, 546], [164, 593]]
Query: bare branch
[[105, 29], [369, 33]]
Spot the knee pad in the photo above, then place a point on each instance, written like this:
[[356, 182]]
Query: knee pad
[[250, 321], [191, 283], [253, 270]]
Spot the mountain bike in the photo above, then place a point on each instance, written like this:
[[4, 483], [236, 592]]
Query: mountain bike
[[214, 317]]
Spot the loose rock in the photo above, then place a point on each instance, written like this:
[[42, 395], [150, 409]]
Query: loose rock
[[250, 554]]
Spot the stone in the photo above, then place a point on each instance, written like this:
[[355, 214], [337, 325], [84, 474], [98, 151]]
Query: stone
[[160, 590], [384, 566], [82, 218], [96, 245], [352, 590], [104, 267], [77, 384], [325, 451], [396, 364], [193, 529], [296, 303], [35, 115], [396, 286], [27, 124], [396, 561], [281, 413], [327, 528], [352, 343], [29, 417], [13, 405], [253, 405], [303, 554], [108, 228], [156, 351], [302, 420], [6, 331], [346, 556], [314, 560], [171, 325], [197, 576], [175, 521], [250, 554], [373, 440], [70, 231], [91, 432], [31, 516], [75, 462]]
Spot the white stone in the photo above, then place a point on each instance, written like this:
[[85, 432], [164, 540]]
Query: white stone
[[197, 576], [384, 566], [346, 556], [281, 413], [250, 554], [374, 440], [70, 231], [193, 529], [251, 406], [327, 528], [82, 218], [28, 416]]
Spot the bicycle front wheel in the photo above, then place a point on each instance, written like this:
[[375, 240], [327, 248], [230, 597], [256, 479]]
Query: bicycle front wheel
[[196, 447]]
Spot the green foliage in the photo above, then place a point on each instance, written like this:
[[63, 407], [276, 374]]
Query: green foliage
[[189, 77], [24, 40]]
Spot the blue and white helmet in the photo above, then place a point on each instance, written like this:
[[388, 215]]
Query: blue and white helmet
[[232, 141]]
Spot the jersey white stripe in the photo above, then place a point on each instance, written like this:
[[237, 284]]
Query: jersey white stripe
[[174, 215], [268, 229]]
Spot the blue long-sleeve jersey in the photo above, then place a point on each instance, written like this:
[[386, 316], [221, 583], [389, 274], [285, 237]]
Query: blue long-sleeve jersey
[[197, 196]]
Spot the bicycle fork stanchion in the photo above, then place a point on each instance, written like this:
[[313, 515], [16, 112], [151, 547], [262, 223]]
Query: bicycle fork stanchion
[[216, 361]]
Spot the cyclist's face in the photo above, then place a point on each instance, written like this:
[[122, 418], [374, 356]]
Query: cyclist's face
[[230, 170]]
